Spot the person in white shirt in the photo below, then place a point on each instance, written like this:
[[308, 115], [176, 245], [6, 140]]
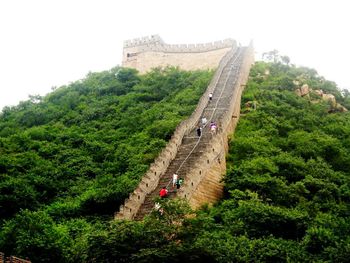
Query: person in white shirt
[[204, 121], [210, 96], [175, 177]]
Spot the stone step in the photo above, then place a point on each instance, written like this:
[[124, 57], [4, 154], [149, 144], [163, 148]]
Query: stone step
[[192, 148]]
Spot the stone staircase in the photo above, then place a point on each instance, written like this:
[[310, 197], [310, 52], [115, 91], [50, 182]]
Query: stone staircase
[[192, 147]]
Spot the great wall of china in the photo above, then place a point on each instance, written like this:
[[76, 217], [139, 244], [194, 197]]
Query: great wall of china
[[150, 52], [199, 160]]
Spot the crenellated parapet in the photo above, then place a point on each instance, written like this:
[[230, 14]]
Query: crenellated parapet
[[204, 181], [149, 40], [156, 43], [151, 179], [150, 52]]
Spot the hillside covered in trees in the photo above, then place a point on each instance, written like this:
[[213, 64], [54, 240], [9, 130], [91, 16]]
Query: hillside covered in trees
[[73, 156], [68, 160]]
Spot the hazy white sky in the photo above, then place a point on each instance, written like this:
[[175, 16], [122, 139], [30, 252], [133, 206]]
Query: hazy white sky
[[46, 43]]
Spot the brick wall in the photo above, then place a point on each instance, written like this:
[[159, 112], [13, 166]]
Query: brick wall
[[205, 185], [150, 180], [146, 53]]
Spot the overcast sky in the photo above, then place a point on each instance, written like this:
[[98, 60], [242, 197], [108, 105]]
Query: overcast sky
[[46, 43]]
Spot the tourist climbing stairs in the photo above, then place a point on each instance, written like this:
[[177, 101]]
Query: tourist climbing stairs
[[193, 146]]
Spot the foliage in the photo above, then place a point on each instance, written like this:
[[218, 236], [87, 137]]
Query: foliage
[[78, 152], [287, 189], [287, 186], [288, 173]]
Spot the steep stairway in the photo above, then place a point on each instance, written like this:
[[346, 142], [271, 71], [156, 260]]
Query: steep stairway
[[192, 146]]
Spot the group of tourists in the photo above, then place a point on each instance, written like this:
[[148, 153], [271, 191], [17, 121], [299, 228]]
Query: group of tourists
[[213, 127], [176, 182], [204, 121]]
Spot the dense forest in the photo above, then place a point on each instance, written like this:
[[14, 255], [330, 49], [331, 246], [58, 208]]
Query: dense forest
[[68, 160]]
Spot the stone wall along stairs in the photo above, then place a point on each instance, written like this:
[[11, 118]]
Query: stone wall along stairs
[[200, 161], [158, 168]]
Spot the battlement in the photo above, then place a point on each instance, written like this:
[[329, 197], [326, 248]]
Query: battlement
[[203, 182], [156, 43], [148, 40], [150, 52]]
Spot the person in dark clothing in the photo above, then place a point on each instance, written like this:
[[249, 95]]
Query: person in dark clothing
[[199, 131], [210, 96], [179, 183]]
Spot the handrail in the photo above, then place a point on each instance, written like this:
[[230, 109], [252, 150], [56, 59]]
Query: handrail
[[213, 112], [185, 191], [151, 179]]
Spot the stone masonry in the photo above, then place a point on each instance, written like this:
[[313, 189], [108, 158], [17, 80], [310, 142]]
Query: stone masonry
[[200, 161], [146, 53]]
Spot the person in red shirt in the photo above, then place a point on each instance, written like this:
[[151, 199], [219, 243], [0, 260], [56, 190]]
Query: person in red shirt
[[163, 192]]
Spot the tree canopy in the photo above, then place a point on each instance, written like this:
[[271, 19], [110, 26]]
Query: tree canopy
[[69, 159]]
